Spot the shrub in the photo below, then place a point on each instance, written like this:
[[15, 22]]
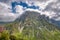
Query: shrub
[[4, 35]]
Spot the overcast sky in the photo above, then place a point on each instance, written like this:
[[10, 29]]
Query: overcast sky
[[50, 8]]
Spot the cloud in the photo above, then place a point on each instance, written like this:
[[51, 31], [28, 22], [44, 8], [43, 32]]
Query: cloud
[[24, 5], [19, 9], [5, 13], [50, 8], [54, 10]]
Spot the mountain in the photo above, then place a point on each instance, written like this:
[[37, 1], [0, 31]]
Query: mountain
[[35, 26], [31, 25], [32, 15]]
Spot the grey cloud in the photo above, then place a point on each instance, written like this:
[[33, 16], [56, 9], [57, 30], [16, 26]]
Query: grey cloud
[[6, 19], [5, 13], [4, 1], [54, 7], [9, 1], [42, 0], [51, 7]]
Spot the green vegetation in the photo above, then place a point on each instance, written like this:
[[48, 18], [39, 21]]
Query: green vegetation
[[31, 28], [42, 34]]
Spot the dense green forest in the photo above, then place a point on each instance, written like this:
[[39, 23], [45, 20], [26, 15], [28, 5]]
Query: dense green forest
[[33, 27]]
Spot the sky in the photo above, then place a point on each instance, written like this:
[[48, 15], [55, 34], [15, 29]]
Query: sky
[[11, 9]]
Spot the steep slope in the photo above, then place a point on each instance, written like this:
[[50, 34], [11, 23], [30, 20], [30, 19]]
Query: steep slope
[[32, 16], [36, 27]]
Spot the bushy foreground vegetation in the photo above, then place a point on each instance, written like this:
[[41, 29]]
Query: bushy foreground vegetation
[[44, 35], [29, 32]]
